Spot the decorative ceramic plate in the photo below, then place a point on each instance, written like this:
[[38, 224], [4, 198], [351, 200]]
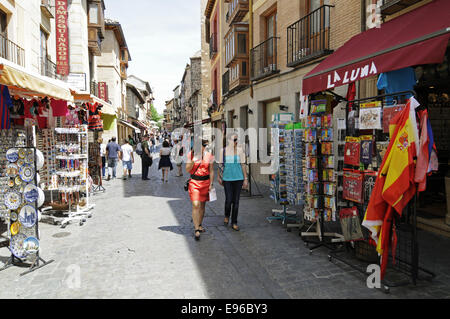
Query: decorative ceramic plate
[[20, 162], [31, 193], [16, 246], [13, 200], [22, 153], [15, 228], [26, 172], [11, 183], [31, 245], [12, 170], [41, 198], [13, 216], [12, 155], [18, 181], [29, 159], [40, 160], [28, 216]]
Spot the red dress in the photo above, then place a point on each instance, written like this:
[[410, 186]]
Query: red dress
[[199, 190]]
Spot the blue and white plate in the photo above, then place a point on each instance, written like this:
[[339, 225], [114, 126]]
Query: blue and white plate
[[31, 245], [13, 200], [12, 155], [28, 216], [26, 173], [31, 193]]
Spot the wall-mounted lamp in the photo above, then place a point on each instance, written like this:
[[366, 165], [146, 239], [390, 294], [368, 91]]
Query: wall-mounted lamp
[[284, 108], [250, 111], [235, 117]]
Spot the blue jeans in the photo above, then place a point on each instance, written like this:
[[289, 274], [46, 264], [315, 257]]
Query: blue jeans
[[112, 165]]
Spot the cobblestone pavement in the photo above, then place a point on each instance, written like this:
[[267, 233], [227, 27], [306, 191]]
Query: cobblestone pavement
[[139, 244]]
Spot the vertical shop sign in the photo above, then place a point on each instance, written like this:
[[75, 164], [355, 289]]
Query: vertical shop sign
[[103, 91], [62, 41]]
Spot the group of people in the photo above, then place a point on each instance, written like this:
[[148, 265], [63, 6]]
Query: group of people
[[232, 173]]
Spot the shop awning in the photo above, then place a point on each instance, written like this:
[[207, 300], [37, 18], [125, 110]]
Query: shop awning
[[89, 98], [140, 125], [417, 37], [130, 126], [22, 81]]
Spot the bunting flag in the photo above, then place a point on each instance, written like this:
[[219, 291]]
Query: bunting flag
[[395, 185]]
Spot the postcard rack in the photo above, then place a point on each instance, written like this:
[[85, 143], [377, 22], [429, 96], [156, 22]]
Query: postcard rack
[[404, 269], [23, 200]]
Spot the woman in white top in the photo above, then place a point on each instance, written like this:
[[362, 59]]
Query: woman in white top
[[165, 163], [102, 155]]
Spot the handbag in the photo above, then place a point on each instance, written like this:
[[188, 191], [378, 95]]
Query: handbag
[[186, 185]]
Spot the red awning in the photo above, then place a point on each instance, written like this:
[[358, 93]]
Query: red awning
[[417, 37]]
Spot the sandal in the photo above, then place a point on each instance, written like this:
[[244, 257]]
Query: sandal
[[235, 227], [226, 221], [202, 230], [197, 238]]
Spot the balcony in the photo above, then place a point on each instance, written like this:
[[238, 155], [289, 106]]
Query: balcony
[[309, 38], [264, 59], [95, 41], [46, 8], [237, 9], [236, 43], [11, 51], [213, 46], [389, 7], [47, 68]]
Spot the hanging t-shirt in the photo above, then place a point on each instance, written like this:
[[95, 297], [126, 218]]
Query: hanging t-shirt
[[5, 105], [397, 81], [59, 107]]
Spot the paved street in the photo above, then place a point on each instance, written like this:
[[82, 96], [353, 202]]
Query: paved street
[[139, 244]]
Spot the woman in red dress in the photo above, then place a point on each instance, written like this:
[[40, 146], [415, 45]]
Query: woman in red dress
[[202, 179]]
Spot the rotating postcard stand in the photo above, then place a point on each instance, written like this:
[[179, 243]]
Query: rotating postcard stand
[[316, 192], [77, 214], [24, 232], [278, 180]]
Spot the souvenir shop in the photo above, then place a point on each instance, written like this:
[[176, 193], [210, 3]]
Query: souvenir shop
[[44, 156], [359, 172]]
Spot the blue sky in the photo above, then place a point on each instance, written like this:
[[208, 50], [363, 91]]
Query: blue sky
[[161, 36]]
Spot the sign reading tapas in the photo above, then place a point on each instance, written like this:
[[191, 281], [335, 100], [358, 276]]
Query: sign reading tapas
[[62, 38]]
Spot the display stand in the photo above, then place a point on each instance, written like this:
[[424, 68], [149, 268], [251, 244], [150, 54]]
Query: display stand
[[73, 180], [28, 250], [405, 269], [317, 198]]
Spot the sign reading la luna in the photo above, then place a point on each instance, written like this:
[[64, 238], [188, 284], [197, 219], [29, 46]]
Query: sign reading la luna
[[341, 78]]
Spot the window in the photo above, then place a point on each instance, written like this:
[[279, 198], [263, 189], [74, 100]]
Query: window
[[3, 23], [242, 43], [43, 49], [93, 13]]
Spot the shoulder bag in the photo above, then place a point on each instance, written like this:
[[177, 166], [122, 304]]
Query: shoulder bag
[[186, 185]]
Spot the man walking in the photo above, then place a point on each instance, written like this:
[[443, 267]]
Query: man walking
[[127, 157], [146, 157], [112, 153]]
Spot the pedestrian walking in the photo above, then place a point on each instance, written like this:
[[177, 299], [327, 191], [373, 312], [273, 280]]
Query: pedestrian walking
[[131, 140], [112, 153], [102, 155], [146, 157], [178, 153], [165, 162], [201, 168], [233, 178], [127, 157], [152, 143]]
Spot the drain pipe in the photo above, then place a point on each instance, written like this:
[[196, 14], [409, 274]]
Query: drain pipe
[[250, 41]]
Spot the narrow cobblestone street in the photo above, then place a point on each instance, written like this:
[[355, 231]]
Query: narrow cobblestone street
[[139, 244]]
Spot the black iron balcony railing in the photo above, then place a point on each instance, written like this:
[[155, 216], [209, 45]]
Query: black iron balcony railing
[[48, 68], [225, 83], [264, 59], [94, 88], [309, 38], [212, 45], [11, 51]]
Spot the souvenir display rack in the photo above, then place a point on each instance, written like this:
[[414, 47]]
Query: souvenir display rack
[[95, 168], [278, 180], [71, 178], [357, 252], [23, 200], [320, 179]]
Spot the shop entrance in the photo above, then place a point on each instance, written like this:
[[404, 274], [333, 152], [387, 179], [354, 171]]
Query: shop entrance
[[433, 90]]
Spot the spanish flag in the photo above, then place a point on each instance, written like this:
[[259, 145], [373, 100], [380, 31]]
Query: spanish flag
[[395, 185]]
